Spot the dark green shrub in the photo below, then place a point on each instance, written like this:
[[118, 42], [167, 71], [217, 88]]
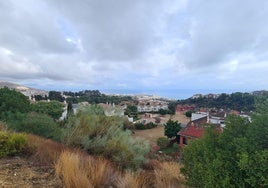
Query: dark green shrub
[[139, 126], [150, 125], [11, 143], [188, 113], [53, 108], [39, 124], [13, 101]]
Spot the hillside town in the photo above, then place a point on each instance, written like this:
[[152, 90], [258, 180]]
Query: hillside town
[[168, 128]]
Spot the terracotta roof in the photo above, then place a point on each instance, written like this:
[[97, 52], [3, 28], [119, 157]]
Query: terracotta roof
[[196, 128], [192, 131]]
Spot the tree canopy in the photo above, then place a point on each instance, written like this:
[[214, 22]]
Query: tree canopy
[[172, 128], [11, 100], [131, 111], [53, 108], [236, 101], [94, 97], [39, 124]]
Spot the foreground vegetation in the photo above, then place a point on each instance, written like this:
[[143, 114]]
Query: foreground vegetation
[[100, 151], [238, 157], [75, 168], [102, 135]]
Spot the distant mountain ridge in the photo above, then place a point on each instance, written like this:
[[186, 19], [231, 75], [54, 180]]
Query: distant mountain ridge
[[27, 91]]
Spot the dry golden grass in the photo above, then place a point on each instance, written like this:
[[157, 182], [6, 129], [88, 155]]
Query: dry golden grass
[[168, 175], [78, 171], [71, 171], [45, 152], [133, 180]]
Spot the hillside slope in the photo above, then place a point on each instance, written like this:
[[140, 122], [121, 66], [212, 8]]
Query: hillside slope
[[21, 172]]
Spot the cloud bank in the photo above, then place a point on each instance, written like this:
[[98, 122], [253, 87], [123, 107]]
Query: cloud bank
[[123, 44]]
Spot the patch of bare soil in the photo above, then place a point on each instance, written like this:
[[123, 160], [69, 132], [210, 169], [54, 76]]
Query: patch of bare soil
[[150, 134], [20, 172], [181, 118]]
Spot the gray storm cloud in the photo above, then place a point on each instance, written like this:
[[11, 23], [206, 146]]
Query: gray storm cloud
[[114, 42]]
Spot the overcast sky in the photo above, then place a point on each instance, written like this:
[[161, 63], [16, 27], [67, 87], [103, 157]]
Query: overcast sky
[[127, 45]]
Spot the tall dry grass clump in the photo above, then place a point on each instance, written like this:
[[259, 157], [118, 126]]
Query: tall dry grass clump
[[77, 171], [168, 175], [129, 179], [45, 151]]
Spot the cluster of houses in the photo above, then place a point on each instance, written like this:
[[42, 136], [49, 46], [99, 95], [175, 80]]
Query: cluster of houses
[[197, 125], [152, 105]]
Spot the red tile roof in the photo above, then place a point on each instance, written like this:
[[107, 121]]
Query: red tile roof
[[192, 131], [196, 128]]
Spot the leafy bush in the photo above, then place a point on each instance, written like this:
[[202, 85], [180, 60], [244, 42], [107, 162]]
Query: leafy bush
[[188, 113], [162, 142], [53, 108], [150, 125], [141, 126], [39, 124], [11, 143], [101, 135], [164, 112], [91, 109]]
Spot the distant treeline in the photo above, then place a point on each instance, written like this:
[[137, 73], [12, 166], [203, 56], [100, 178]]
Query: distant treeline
[[235, 101], [91, 96], [94, 97]]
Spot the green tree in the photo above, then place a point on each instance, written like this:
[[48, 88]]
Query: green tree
[[132, 111], [70, 110], [188, 113], [55, 95], [39, 124], [172, 107], [12, 101], [172, 128], [53, 108]]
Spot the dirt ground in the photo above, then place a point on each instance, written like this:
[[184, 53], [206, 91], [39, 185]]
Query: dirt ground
[[152, 134], [19, 172]]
